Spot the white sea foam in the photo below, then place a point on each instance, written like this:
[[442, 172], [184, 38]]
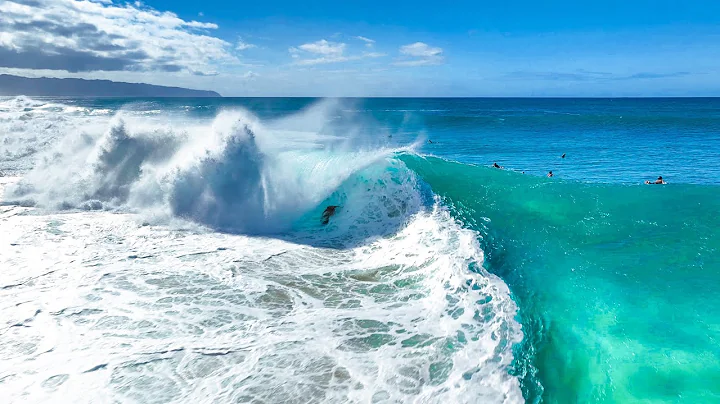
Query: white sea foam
[[98, 309], [380, 305]]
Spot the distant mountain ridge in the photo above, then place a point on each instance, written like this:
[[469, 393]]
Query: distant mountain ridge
[[43, 86]]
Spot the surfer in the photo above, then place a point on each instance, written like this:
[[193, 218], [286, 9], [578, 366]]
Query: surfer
[[496, 165], [430, 141], [658, 181], [563, 156], [550, 174], [329, 211]]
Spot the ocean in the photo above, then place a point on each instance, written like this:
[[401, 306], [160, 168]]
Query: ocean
[[171, 250]]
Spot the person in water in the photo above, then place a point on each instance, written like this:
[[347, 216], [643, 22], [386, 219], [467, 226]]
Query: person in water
[[496, 165], [658, 181], [563, 156], [329, 211], [550, 174]]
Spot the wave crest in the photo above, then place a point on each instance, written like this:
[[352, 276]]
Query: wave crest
[[235, 173]]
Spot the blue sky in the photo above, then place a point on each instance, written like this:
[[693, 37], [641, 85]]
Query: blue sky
[[375, 48]]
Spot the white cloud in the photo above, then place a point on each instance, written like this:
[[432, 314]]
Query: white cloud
[[362, 38], [322, 52], [241, 45], [201, 14], [203, 25], [420, 49], [323, 47], [420, 54], [368, 42], [85, 36]]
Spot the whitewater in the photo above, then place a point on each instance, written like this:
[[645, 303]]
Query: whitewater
[[165, 254]]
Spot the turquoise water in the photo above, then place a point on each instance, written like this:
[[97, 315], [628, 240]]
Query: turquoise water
[[616, 282]]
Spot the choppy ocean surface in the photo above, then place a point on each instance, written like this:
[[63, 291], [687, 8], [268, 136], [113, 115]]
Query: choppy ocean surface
[[170, 250]]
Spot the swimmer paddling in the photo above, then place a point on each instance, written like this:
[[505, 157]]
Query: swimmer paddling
[[658, 181]]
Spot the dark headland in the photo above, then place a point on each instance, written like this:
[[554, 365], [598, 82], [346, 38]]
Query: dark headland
[[16, 85]]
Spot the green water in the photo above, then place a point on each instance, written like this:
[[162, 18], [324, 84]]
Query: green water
[[617, 284]]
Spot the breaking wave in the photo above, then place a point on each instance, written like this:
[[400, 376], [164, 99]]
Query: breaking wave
[[398, 309], [234, 173]]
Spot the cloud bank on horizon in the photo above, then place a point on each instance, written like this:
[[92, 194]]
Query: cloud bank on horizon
[[133, 41]]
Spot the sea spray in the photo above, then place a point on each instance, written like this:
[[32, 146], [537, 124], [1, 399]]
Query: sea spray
[[234, 173]]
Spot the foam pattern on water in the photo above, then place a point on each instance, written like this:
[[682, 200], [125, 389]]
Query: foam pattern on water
[[99, 309]]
